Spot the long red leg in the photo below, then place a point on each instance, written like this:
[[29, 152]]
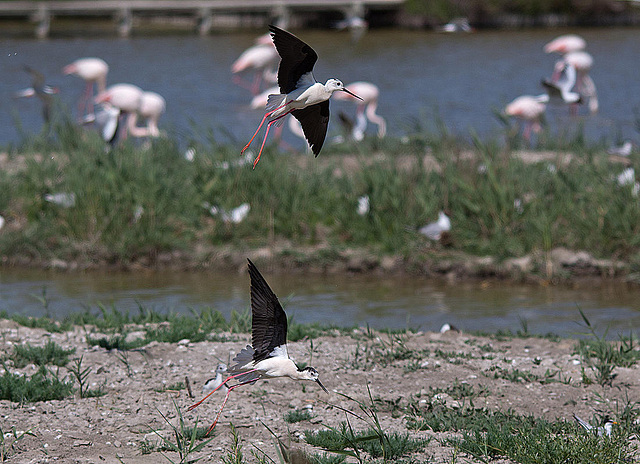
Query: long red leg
[[193, 406], [225, 402], [260, 126], [265, 137]]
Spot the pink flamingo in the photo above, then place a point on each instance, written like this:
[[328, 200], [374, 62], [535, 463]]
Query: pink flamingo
[[582, 62], [151, 107], [90, 70], [529, 109], [262, 60], [125, 97], [572, 47], [369, 94], [565, 44]]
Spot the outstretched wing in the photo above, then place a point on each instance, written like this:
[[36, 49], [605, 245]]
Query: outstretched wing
[[314, 120], [269, 324], [297, 59]]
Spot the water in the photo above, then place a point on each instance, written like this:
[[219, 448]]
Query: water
[[464, 77], [381, 302]]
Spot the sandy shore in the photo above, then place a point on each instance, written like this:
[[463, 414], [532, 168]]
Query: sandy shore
[[118, 427]]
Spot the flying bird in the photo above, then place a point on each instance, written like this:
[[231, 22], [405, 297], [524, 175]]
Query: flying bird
[[39, 89], [300, 94], [267, 356]]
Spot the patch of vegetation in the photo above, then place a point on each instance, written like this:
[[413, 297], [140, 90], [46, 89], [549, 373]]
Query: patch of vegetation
[[81, 375], [185, 437], [50, 353], [10, 440], [603, 356], [297, 415], [517, 375], [116, 342], [44, 385], [577, 204], [374, 440]]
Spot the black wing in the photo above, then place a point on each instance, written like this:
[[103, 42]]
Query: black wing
[[314, 120], [269, 324], [297, 58]]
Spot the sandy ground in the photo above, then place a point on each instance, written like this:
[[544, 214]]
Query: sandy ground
[[112, 428]]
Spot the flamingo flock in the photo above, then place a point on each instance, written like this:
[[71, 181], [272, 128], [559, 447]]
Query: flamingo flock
[[569, 84], [115, 102]]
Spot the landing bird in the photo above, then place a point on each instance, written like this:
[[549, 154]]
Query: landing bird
[[90, 70], [300, 94], [215, 382], [435, 230], [560, 88], [267, 355], [39, 89], [605, 430]]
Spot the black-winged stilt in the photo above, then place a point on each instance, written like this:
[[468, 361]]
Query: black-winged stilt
[[605, 430], [300, 94], [267, 355]]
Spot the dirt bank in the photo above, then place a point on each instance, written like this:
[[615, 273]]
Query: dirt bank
[[528, 375]]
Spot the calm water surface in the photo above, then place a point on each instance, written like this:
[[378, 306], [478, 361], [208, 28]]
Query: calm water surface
[[464, 77], [381, 302]]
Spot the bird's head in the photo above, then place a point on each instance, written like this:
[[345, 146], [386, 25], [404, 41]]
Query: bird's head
[[221, 369], [309, 373], [333, 85]]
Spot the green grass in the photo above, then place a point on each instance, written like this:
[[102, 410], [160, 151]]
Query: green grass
[[50, 353], [578, 206], [44, 385], [297, 415]]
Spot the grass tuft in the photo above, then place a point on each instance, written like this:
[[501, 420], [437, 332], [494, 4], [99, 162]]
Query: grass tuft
[[50, 353]]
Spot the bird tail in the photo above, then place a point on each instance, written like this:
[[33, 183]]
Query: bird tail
[[275, 100], [242, 359]]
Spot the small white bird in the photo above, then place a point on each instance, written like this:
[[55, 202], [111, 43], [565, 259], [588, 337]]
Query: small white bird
[[107, 121], [235, 216], [605, 430], [214, 383], [363, 205], [2, 221], [66, 200], [434, 230], [623, 150]]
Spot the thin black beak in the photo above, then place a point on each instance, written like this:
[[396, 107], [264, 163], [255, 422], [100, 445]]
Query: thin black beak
[[353, 94], [322, 386]]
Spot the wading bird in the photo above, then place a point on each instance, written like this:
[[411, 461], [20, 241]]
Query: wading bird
[[91, 70], [125, 97], [565, 44], [530, 110], [300, 94], [151, 106], [369, 94], [267, 355]]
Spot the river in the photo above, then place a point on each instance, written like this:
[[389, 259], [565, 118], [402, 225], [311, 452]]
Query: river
[[462, 78], [381, 302]]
